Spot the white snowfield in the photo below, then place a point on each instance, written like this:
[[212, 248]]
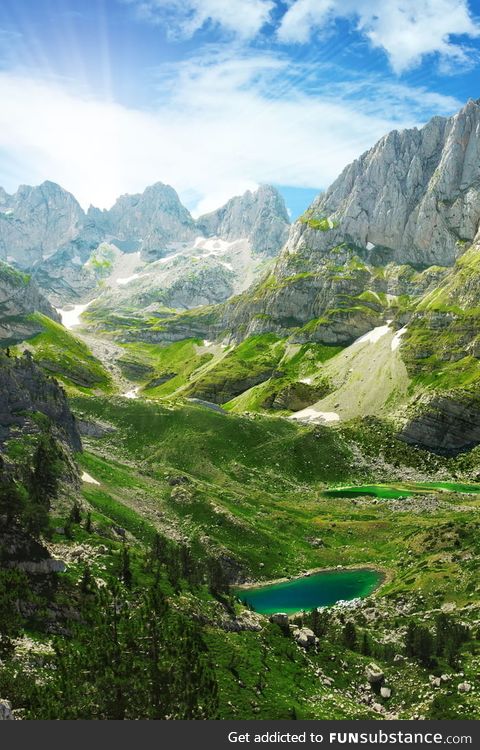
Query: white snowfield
[[312, 415], [132, 394], [128, 279], [396, 341], [71, 317], [373, 336], [87, 478]]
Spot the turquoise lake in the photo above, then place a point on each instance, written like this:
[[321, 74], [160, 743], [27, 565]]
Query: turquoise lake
[[308, 592]]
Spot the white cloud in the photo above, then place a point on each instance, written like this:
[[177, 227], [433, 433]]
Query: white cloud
[[407, 30], [243, 18], [223, 124]]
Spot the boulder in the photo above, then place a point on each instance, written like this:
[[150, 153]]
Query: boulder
[[374, 674], [280, 618], [304, 637], [385, 692], [464, 687], [6, 710]]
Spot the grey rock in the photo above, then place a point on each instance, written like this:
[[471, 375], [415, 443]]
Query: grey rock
[[91, 428], [280, 618], [6, 713], [20, 298], [39, 567], [25, 391], [374, 674], [304, 637], [36, 221], [148, 221], [444, 423], [260, 216], [415, 193]]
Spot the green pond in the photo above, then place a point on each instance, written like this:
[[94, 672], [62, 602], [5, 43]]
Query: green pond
[[308, 592], [397, 491]]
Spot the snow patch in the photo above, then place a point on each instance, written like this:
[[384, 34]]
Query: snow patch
[[87, 478], [128, 279], [71, 318], [396, 341], [372, 336], [133, 393], [213, 245], [170, 257], [312, 415]]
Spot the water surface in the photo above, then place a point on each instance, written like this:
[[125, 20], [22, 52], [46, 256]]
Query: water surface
[[400, 490], [316, 590]]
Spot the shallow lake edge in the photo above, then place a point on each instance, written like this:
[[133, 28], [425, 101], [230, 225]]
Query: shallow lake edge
[[387, 577]]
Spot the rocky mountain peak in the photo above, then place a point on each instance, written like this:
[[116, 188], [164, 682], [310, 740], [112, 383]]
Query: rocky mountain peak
[[412, 198], [150, 220], [260, 216], [36, 221], [20, 298]]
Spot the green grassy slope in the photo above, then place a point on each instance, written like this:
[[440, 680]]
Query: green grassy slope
[[63, 355]]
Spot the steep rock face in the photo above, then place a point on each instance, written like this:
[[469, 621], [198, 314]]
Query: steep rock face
[[261, 217], [230, 248], [27, 392], [19, 299], [442, 352], [36, 221], [150, 220], [445, 424], [413, 197], [445, 328]]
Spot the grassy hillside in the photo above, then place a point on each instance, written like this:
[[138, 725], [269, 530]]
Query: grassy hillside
[[66, 357], [443, 341]]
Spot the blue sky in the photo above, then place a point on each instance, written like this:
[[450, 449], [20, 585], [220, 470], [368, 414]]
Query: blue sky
[[218, 96]]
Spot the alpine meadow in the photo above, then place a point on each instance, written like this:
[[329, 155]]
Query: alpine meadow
[[240, 445]]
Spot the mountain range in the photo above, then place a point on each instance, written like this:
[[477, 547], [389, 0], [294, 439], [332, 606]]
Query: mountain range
[[44, 231], [192, 407]]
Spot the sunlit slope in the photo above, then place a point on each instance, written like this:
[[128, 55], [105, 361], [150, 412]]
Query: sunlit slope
[[66, 357], [368, 377]]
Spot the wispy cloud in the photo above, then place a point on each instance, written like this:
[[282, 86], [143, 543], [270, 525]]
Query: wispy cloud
[[222, 123], [183, 18], [407, 30]]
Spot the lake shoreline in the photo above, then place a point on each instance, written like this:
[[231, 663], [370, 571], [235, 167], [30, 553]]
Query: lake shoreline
[[387, 576]]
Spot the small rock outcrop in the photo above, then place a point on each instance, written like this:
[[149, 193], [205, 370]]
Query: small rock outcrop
[[6, 713], [304, 637], [27, 392], [280, 618], [20, 298], [374, 675], [446, 424]]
